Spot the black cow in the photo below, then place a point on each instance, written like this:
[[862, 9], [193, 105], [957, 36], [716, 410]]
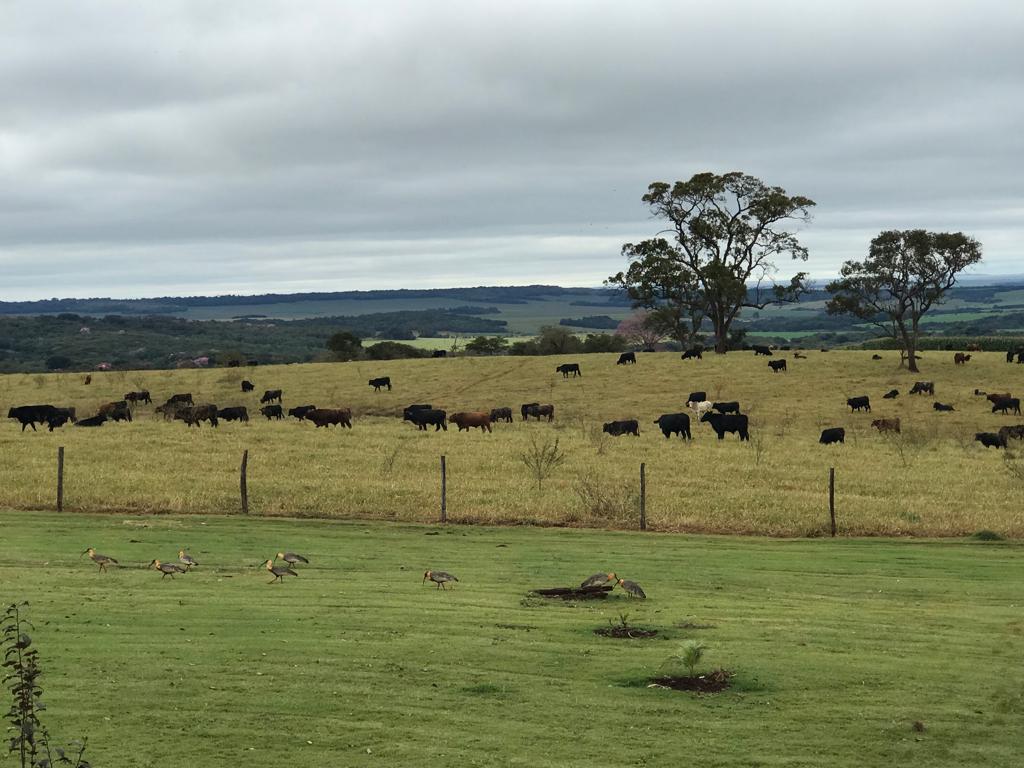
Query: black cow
[[248, 386], [990, 439], [272, 412], [236, 413], [184, 398], [57, 420], [723, 423], [525, 409], [234, 363], [1005, 404], [1020, 357], [859, 403], [674, 424], [92, 421], [501, 414], [693, 353], [832, 435], [537, 411], [760, 349], [271, 395], [566, 368], [30, 415], [892, 394], [697, 397], [138, 397], [777, 365], [876, 357], [626, 357], [415, 407], [422, 417], [301, 411], [942, 407], [378, 383], [923, 388], [1009, 355], [627, 427], [730, 407], [439, 353]]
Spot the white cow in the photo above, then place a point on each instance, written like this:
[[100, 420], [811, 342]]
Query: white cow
[[699, 408]]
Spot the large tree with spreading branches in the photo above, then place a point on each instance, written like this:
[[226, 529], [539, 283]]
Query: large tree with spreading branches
[[727, 231], [905, 274]]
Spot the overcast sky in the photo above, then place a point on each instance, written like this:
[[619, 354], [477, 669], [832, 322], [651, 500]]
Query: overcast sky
[[161, 148]]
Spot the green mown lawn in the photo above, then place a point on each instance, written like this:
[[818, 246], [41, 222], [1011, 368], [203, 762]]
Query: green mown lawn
[[838, 646]]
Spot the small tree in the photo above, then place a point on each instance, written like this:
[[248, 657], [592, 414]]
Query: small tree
[[905, 274], [637, 329], [542, 459], [487, 345], [555, 340], [345, 345]]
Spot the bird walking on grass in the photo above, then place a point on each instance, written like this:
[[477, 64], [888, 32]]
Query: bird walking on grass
[[187, 560], [279, 571], [291, 558], [598, 579], [632, 588], [101, 560], [438, 577], [167, 569]]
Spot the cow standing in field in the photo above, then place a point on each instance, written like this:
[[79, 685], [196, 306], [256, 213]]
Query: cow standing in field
[[272, 412], [300, 412], [415, 407], [990, 439], [501, 414], [1007, 404], [626, 358], [832, 435], [379, 383], [723, 423], [536, 410], [862, 403], [466, 420], [777, 365], [325, 417], [118, 411], [525, 409], [697, 397], [566, 368], [923, 388], [730, 407], [196, 414], [995, 397], [271, 395], [30, 415], [236, 413], [248, 386], [693, 353], [626, 427], [138, 397], [699, 408], [1016, 432], [760, 349], [960, 358], [424, 417], [886, 425], [674, 424]]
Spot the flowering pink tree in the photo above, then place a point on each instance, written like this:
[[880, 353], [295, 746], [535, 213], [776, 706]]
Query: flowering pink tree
[[637, 330]]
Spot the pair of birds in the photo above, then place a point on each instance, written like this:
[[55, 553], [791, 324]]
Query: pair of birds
[[631, 588], [169, 569], [280, 571]]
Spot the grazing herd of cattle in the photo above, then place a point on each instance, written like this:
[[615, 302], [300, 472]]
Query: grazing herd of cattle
[[722, 417]]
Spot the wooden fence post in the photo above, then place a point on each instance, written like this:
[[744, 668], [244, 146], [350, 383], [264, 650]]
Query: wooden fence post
[[643, 496], [60, 479], [444, 490], [832, 498], [243, 483]]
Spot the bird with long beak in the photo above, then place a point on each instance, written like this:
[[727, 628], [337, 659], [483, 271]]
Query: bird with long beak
[[101, 560], [167, 569], [632, 588], [187, 560], [438, 577], [279, 571], [291, 558], [598, 579]]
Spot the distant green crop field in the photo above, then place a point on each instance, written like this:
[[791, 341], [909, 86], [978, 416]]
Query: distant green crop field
[[838, 647], [933, 480]]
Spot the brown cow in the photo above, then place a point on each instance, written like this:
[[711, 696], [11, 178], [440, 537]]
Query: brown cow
[[960, 358], [117, 411], [325, 417], [467, 419], [193, 414], [886, 425], [996, 398]]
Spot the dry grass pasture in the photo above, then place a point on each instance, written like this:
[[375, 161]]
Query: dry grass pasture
[[933, 480]]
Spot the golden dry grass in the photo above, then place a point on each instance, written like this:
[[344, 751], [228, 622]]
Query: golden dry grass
[[933, 481]]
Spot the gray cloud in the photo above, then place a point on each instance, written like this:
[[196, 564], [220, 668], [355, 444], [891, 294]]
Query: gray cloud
[[187, 147]]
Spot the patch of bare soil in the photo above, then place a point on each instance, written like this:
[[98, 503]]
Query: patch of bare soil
[[625, 633], [713, 682]]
